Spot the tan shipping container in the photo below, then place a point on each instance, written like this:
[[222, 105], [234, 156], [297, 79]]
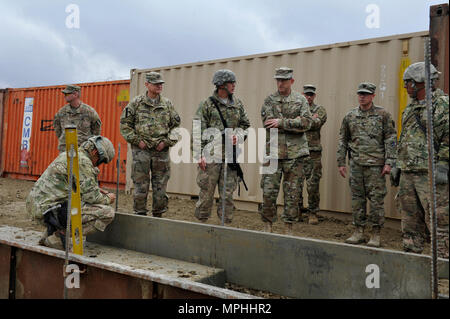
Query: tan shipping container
[[36, 130], [335, 69]]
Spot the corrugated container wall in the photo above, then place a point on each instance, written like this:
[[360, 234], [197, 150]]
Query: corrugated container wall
[[33, 126], [335, 69], [3, 96]]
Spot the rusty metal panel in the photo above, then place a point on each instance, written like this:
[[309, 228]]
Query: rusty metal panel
[[335, 69], [96, 283], [5, 255], [169, 292], [47, 272], [107, 98], [132, 274], [439, 29], [40, 276]]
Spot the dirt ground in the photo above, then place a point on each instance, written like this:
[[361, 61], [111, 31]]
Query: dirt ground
[[13, 194]]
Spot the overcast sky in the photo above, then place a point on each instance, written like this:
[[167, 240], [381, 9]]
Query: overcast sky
[[42, 44]]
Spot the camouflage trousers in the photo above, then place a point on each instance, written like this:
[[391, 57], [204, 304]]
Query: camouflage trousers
[[94, 217], [207, 181], [292, 171], [312, 173], [366, 183], [144, 162], [414, 199]]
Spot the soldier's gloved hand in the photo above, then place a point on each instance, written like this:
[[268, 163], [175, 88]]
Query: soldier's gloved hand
[[395, 176], [441, 174], [142, 145], [272, 123], [160, 146], [202, 163], [112, 197]]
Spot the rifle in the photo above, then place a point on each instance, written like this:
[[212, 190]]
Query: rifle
[[235, 166]]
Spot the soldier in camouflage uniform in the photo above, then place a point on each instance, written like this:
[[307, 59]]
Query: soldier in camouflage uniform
[[411, 173], [287, 111], [368, 135], [76, 113], [52, 189], [148, 123], [313, 167], [210, 171]]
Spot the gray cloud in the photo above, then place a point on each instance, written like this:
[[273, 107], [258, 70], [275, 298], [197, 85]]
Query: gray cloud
[[115, 36]]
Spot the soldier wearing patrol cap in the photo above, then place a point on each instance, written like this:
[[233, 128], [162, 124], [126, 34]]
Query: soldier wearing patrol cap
[[369, 138], [313, 166], [148, 123], [411, 172], [76, 113], [211, 166], [47, 200], [287, 111]]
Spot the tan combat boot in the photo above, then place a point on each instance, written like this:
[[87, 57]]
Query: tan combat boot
[[374, 237], [411, 245], [357, 237], [312, 220], [53, 241], [268, 227], [43, 238], [301, 214]]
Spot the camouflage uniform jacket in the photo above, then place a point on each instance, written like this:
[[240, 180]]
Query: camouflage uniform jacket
[[436, 94], [84, 117], [141, 120], [293, 110], [233, 112], [52, 187], [313, 135], [412, 146], [369, 137]]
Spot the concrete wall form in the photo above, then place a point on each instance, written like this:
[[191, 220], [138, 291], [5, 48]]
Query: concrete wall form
[[335, 69], [286, 265]]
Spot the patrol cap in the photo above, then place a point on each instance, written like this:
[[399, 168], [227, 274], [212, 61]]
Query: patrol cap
[[309, 88], [284, 73], [154, 78], [366, 87], [71, 89]]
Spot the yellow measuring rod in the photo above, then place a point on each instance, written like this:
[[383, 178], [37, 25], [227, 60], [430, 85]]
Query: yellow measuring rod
[[75, 205]]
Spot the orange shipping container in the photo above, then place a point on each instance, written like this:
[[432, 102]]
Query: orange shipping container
[[29, 141], [3, 95]]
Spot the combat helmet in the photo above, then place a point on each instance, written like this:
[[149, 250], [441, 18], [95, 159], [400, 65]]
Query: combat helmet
[[223, 76], [104, 147], [416, 72]]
